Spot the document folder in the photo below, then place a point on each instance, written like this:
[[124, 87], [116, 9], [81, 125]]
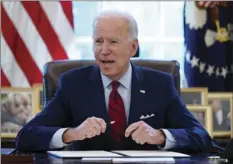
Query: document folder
[[150, 153], [82, 154]]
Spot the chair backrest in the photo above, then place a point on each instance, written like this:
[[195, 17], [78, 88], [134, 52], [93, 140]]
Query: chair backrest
[[54, 69]]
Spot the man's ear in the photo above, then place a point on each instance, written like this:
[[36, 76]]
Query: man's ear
[[134, 48], [137, 53]]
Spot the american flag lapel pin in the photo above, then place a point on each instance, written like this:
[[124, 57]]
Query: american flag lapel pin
[[143, 91]]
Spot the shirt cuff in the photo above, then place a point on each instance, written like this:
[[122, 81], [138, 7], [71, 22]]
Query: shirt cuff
[[56, 141], [170, 141]]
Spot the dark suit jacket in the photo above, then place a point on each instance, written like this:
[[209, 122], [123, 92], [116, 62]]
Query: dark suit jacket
[[80, 95], [225, 124]]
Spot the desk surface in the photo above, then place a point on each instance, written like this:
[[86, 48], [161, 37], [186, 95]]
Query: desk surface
[[39, 158]]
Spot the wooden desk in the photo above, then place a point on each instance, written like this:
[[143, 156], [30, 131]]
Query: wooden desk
[[41, 158]]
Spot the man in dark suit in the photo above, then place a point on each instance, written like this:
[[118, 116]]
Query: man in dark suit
[[220, 118], [89, 98]]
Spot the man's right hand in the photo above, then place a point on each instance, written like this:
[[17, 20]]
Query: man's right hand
[[91, 127]]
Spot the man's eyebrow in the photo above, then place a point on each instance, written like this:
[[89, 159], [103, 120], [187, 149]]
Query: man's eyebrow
[[109, 38], [97, 37]]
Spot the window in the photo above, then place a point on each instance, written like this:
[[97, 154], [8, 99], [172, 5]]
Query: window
[[160, 27]]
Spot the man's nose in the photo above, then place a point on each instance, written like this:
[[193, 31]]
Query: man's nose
[[105, 48]]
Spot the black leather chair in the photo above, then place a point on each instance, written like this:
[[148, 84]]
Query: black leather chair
[[54, 69]]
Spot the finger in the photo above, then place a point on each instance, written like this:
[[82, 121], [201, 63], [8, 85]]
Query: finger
[[142, 137], [138, 133], [96, 126], [89, 127], [92, 126], [142, 141], [137, 141], [93, 129], [89, 135], [85, 129], [131, 128], [90, 130], [102, 124]]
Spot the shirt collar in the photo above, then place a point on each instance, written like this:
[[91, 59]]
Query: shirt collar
[[125, 80]]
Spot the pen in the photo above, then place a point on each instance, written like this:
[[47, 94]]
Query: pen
[[110, 123]]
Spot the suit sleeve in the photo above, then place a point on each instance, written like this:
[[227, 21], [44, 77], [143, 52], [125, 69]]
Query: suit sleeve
[[37, 134], [189, 134]]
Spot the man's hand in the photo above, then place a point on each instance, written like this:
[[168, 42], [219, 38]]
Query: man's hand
[[142, 133], [91, 127]]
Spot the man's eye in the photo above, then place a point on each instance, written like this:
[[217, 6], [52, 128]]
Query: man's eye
[[113, 41], [98, 41]]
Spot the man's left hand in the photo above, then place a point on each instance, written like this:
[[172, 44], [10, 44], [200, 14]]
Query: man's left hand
[[142, 133]]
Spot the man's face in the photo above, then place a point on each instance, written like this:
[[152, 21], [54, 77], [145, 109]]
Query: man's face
[[20, 106], [216, 105], [112, 46]]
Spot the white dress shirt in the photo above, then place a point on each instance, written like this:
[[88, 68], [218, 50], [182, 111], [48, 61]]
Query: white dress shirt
[[219, 117], [125, 92]]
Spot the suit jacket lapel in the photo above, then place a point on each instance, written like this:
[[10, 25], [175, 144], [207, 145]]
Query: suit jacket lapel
[[97, 97], [137, 97]]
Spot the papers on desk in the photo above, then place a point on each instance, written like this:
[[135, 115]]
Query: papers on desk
[[97, 160], [129, 160], [143, 160], [149, 153], [123, 156], [81, 154]]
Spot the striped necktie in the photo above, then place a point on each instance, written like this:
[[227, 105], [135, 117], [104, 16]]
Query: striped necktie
[[117, 114]]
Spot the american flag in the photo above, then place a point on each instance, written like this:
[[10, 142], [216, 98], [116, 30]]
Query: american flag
[[207, 4], [34, 33], [208, 37]]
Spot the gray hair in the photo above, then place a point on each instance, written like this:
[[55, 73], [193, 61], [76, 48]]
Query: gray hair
[[132, 24]]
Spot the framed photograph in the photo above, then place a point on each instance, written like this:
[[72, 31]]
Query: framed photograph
[[221, 108], [38, 94], [194, 96], [17, 108], [203, 114]]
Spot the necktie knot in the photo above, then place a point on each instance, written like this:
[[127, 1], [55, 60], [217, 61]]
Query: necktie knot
[[115, 85]]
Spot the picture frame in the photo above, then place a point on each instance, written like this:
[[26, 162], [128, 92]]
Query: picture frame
[[38, 94], [17, 108], [203, 114], [194, 96], [222, 112]]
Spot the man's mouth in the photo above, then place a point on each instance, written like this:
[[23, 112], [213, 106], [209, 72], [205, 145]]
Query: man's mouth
[[107, 62]]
